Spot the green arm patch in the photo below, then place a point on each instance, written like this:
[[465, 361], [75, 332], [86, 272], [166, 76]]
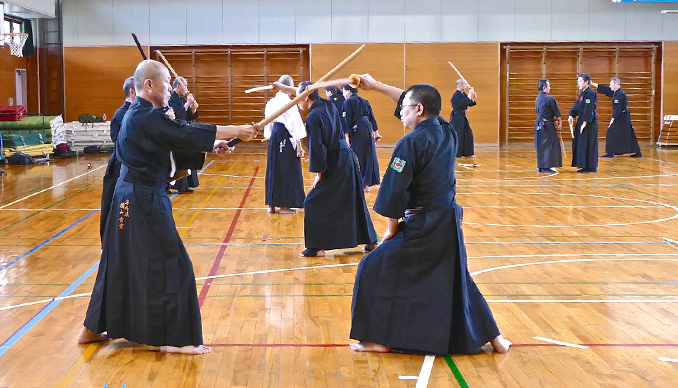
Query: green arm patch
[[398, 164]]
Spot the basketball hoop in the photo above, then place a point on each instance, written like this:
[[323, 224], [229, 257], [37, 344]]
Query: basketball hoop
[[15, 41]]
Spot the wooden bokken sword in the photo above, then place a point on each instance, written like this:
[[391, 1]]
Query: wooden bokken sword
[[308, 91]]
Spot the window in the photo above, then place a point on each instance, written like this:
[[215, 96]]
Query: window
[[13, 26]]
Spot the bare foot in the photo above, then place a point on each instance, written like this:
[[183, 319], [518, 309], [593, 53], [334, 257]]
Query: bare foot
[[286, 210], [200, 349], [500, 344], [271, 210], [367, 346], [87, 336]]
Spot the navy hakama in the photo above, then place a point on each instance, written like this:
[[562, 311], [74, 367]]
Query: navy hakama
[[284, 179], [414, 292], [620, 138], [145, 289], [547, 145], [460, 103], [335, 213], [585, 144], [361, 127]]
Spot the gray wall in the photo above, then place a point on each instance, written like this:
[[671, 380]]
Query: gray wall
[[179, 22]]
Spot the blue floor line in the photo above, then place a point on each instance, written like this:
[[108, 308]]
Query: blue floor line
[[4, 267], [5, 346]]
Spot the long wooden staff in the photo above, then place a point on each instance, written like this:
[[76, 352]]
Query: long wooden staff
[[141, 50], [562, 144], [306, 92], [174, 73], [460, 76]]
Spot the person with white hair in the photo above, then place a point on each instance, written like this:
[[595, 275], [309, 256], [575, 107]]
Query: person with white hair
[[284, 178], [619, 138], [461, 101]]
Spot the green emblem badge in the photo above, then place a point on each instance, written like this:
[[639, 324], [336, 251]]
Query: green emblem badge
[[398, 164]]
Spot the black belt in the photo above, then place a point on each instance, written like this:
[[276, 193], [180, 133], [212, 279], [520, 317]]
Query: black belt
[[442, 200]]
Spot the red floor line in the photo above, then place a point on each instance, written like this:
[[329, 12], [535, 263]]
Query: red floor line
[[227, 239], [603, 345], [513, 346]]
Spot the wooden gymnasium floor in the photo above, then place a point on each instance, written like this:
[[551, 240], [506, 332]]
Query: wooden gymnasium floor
[[585, 259]]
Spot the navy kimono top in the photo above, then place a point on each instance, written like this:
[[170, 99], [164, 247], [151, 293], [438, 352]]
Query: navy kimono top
[[147, 137], [117, 119], [421, 170], [547, 107], [323, 132], [585, 106], [619, 102], [356, 107], [177, 102], [460, 101]]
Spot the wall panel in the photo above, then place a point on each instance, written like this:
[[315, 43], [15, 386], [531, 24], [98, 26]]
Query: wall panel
[[130, 18], [94, 77], [423, 22], [349, 21], [477, 62], [386, 21], [276, 22], [205, 24], [460, 21], [670, 87], [168, 22], [87, 22], [95, 23]]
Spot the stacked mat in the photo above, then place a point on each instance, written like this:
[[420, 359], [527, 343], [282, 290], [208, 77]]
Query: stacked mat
[[79, 136], [28, 136]]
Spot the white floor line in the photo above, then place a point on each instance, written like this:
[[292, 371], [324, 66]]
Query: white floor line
[[472, 273], [672, 242], [658, 204], [44, 301], [50, 188], [274, 270], [668, 359], [560, 343], [572, 261], [425, 373], [569, 179]]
